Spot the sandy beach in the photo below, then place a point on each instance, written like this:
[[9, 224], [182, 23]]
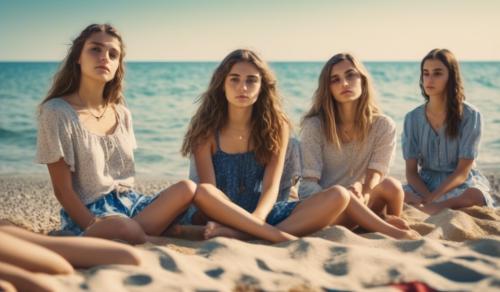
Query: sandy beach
[[459, 251]]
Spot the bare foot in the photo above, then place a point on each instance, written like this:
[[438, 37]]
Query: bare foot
[[397, 221], [214, 229], [410, 234], [430, 208]]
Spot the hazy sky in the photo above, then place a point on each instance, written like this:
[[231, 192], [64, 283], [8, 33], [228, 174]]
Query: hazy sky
[[280, 30]]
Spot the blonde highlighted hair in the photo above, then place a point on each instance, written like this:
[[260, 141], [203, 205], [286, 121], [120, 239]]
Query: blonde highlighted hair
[[326, 108], [268, 118]]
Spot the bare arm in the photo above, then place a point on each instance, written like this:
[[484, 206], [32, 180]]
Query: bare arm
[[63, 189], [203, 161], [372, 178], [455, 179], [413, 178], [272, 177]]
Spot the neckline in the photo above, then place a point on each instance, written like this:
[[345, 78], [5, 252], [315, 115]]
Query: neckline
[[75, 114], [436, 132]]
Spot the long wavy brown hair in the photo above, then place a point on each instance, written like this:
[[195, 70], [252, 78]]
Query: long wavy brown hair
[[327, 108], [268, 118], [455, 96], [67, 79]]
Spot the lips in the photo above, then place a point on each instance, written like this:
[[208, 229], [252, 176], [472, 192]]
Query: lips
[[103, 68], [346, 91], [242, 97]]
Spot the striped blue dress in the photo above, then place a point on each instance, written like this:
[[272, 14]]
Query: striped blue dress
[[438, 155]]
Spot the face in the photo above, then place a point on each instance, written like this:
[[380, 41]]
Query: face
[[242, 84], [100, 57], [345, 82], [434, 77]]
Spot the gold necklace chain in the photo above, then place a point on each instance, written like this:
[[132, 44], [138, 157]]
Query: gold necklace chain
[[87, 109]]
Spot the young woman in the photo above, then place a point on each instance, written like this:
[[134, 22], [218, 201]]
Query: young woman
[[86, 138], [26, 258], [441, 141], [348, 143], [239, 137]]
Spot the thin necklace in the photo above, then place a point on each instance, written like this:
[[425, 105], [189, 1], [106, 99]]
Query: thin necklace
[[97, 117]]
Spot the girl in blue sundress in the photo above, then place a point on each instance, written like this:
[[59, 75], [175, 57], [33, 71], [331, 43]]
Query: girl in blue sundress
[[441, 141], [238, 138]]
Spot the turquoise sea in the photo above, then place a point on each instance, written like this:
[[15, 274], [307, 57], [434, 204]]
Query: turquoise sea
[[162, 95]]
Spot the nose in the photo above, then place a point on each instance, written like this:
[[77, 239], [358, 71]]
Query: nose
[[104, 57], [243, 86]]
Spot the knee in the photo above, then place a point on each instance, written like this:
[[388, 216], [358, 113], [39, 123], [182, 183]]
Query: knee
[[336, 195], [129, 230], [187, 189], [203, 191], [392, 186], [473, 196]]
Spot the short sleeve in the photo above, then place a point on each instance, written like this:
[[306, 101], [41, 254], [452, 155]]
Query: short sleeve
[[408, 139], [384, 145], [54, 139], [470, 136], [308, 188], [311, 148]]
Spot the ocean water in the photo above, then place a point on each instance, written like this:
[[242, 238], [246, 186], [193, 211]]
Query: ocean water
[[162, 97]]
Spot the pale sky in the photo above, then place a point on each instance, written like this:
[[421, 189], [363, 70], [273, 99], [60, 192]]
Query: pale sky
[[293, 30]]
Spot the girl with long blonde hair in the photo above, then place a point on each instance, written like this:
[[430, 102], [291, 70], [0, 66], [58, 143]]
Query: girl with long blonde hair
[[348, 143]]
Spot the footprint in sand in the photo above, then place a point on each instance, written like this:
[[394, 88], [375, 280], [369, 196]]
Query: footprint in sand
[[138, 280], [215, 273], [456, 272], [337, 269], [168, 263]]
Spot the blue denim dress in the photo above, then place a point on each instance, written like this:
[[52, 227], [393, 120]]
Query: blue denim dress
[[240, 177], [438, 155]]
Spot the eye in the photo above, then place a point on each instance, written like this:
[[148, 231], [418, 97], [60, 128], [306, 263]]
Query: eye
[[234, 79], [334, 80], [113, 56], [252, 80]]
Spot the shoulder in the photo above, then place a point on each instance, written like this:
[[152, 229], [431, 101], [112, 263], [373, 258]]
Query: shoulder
[[56, 108], [311, 122], [382, 121], [470, 110], [122, 109], [415, 115]]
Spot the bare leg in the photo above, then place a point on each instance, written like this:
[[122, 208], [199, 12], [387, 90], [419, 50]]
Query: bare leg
[[310, 215], [470, 197], [80, 252], [4, 285], [358, 213], [156, 217], [31, 257], [23, 280], [214, 229], [316, 212], [387, 194], [118, 228], [215, 205]]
